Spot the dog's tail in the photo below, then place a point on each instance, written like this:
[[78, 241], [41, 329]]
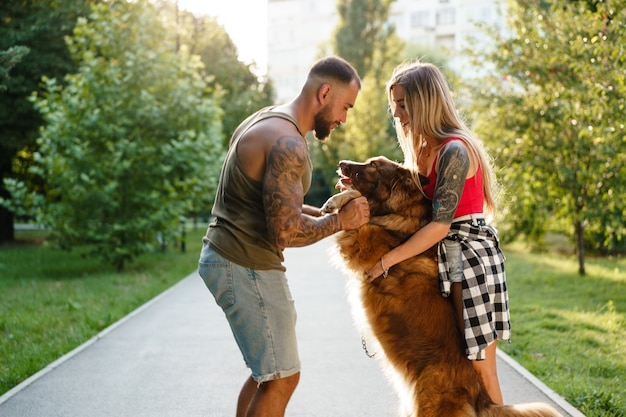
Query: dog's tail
[[520, 410]]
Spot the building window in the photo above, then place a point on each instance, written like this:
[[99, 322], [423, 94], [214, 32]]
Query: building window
[[446, 17], [420, 19]]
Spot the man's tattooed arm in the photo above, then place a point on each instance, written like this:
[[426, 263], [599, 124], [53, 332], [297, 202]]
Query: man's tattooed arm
[[283, 197], [452, 169]]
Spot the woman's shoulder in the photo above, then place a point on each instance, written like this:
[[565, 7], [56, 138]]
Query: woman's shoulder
[[458, 152], [454, 145]]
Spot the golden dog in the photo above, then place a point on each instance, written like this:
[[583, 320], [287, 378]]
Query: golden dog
[[411, 321]]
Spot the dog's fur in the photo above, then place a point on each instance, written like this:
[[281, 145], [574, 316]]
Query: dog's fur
[[411, 321]]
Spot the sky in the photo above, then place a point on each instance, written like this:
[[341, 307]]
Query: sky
[[245, 21]]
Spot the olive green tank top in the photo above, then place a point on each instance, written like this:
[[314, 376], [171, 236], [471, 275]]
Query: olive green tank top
[[239, 229]]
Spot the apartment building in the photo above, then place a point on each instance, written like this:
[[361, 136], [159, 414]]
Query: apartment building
[[299, 32]]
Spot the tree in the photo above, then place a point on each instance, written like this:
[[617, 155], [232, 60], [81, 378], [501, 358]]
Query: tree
[[8, 59], [243, 92], [364, 38], [551, 104], [39, 25], [130, 139], [362, 30]]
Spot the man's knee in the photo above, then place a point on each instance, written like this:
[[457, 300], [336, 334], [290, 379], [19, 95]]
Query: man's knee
[[291, 382], [286, 385]]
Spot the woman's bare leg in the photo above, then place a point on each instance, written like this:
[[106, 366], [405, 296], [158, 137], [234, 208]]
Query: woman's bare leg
[[489, 374], [486, 368]]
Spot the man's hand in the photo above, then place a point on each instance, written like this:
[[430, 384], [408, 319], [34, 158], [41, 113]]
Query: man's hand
[[354, 214]]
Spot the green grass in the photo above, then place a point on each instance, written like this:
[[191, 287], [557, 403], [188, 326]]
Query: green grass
[[52, 301], [570, 330]]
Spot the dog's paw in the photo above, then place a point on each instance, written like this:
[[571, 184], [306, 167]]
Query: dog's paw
[[337, 201], [330, 206]]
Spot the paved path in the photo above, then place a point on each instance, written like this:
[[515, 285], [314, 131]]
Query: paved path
[[175, 357]]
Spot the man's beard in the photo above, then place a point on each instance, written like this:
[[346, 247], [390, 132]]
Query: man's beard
[[323, 124]]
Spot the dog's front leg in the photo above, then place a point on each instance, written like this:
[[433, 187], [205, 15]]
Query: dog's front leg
[[336, 202]]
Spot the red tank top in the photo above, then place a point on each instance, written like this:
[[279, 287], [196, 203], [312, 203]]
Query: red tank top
[[472, 198]]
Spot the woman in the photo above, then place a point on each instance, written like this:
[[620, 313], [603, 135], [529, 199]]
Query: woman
[[457, 176]]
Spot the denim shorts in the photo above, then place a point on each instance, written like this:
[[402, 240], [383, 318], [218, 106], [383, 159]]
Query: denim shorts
[[260, 310], [455, 260]]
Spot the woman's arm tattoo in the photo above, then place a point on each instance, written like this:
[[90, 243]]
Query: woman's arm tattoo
[[453, 166]]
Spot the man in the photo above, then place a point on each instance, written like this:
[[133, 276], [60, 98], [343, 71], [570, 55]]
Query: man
[[258, 212]]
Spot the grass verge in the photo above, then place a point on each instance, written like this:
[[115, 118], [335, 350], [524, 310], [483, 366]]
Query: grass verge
[[52, 301], [570, 330]]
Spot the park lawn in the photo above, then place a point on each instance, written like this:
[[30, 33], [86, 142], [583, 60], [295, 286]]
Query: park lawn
[[570, 330], [52, 301]]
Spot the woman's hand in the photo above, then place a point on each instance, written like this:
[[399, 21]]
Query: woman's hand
[[377, 270]]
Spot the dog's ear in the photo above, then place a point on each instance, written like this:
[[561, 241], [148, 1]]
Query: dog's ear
[[386, 167], [407, 179], [410, 180]]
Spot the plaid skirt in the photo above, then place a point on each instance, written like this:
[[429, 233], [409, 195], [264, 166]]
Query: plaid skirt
[[485, 296]]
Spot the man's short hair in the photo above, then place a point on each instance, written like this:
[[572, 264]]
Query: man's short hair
[[335, 68]]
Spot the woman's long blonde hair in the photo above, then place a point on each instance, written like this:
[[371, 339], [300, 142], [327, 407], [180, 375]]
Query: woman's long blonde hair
[[432, 115]]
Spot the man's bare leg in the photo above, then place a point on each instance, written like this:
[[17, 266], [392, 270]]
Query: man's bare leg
[[245, 397], [267, 400]]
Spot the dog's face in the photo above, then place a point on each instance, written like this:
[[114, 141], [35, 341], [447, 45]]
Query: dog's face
[[387, 185]]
